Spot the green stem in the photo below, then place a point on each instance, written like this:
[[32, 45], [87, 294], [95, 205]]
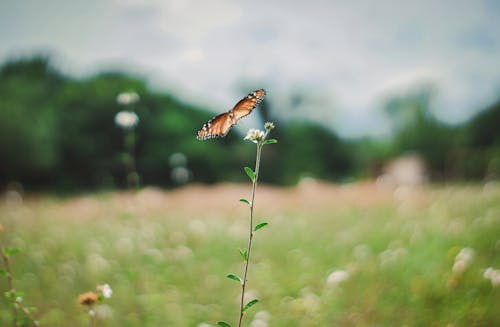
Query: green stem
[[10, 283], [250, 236]]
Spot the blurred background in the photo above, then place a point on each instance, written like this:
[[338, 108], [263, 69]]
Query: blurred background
[[351, 88]]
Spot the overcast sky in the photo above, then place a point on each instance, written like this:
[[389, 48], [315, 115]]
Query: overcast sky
[[346, 57]]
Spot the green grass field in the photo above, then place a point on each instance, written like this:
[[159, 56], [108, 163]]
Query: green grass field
[[166, 255]]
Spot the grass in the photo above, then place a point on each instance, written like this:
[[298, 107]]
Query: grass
[[166, 255]]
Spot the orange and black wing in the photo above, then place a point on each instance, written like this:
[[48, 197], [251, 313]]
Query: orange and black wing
[[245, 106], [220, 125]]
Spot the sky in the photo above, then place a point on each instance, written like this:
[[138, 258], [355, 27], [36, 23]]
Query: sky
[[343, 58]]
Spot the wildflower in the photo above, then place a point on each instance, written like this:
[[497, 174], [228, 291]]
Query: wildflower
[[463, 260], [268, 126], [127, 98], [255, 135], [493, 275], [337, 277], [89, 299], [126, 119], [106, 290]]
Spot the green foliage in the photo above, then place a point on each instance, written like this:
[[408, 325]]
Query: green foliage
[[244, 254], [11, 251], [250, 304], [259, 226], [223, 324], [270, 141], [306, 150], [234, 277], [250, 173]]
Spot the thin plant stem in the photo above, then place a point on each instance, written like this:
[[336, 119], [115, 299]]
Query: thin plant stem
[[250, 236], [10, 282], [132, 182], [91, 318]]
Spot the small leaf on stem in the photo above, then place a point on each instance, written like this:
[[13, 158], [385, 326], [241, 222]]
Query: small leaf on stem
[[223, 324], [270, 141], [250, 173], [245, 201], [249, 304], [11, 251], [259, 226], [244, 254], [234, 277]]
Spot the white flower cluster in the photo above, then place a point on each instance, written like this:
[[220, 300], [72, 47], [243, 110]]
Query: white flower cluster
[[463, 260], [126, 119], [254, 135], [391, 256], [127, 98], [261, 319], [493, 275], [106, 290], [337, 277]]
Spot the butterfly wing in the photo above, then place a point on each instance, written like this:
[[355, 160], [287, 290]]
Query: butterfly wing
[[220, 125], [216, 127], [245, 106]]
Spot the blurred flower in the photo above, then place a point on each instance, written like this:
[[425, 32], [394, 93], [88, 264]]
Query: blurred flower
[[493, 275], [392, 256], [106, 290], [126, 119], [180, 175], [254, 135], [337, 277], [127, 98], [269, 126], [463, 260], [177, 159], [89, 299]]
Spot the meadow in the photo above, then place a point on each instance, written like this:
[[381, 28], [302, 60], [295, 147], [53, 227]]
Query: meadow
[[332, 255]]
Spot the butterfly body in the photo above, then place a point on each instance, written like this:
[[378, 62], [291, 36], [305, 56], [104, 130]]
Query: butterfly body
[[220, 125]]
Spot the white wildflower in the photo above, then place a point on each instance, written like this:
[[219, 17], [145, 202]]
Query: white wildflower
[[337, 277], [127, 98], [126, 119], [493, 275], [269, 126], [106, 290], [463, 260], [254, 135]]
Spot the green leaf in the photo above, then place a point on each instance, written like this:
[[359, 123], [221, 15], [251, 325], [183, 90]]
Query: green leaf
[[244, 254], [250, 173], [234, 277], [270, 141], [11, 251], [223, 324], [249, 304], [259, 226], [3, 273], [245, 201]]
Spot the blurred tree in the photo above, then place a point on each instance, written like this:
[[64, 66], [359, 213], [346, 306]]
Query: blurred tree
[[28, 118], [417, 130], [483, 140], [306, 150]]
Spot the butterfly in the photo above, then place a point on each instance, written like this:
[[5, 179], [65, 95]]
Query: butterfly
[[220, 125]]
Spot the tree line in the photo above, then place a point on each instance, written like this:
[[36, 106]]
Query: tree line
[[57, 132]]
